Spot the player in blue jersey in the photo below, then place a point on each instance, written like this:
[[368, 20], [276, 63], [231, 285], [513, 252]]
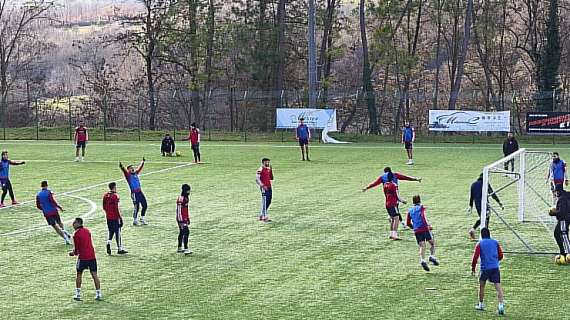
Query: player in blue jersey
[[5, 177], [50, 208], [408, 139], [557, 174], [303, 135], [416, 219], [491, 254], [139, 201]]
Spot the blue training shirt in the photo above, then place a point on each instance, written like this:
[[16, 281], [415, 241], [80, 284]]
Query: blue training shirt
[[45, 199], [557, 170], [489, 254], [385, 178], [5, 168], [303, 131], [408, 134], [134, 181]]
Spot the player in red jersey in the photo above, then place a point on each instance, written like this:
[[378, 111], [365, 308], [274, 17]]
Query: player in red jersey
[[114, 219], [194, 138], [183, 219], [81, 137], [392, 200], [87, 260], [263, 178]]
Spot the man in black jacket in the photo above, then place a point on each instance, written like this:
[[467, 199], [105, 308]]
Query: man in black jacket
[[510, 146], [167, 147], [562, 214]]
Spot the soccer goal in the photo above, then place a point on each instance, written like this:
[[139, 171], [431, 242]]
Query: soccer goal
[[520, 182]]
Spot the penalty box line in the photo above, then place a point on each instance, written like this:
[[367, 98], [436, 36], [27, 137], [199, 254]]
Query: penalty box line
[[91, 203]]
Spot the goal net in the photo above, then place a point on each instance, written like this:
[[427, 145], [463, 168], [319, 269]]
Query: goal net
[[520, 182]]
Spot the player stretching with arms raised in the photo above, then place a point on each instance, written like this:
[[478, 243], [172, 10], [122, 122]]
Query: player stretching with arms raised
[[303, 135], [87, 260], [114, 219], [81, 137], [416, 219], [392, 200], [139, 200], [491, 254], [183, 219], [263, 178], [5, 177], [46, 202]]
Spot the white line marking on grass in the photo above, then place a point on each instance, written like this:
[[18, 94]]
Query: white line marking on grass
[[43, 226], [104, 161]]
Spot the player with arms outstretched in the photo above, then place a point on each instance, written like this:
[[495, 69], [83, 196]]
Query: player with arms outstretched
[[81, 137], [416, 219], [139, 200], [5, 177], [264, 178], [490, 253], [183, 219], [392, 199], [86, 258], [45, 201], [114, 219]]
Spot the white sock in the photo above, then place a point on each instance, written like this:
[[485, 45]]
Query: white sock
[[422, 260], [109, 242], [97, 293], [78, 291], [501, 305]]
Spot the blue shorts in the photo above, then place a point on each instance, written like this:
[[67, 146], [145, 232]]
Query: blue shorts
[[492, 275], [82, 265], [303, 141], [424, 236], [81, 144]]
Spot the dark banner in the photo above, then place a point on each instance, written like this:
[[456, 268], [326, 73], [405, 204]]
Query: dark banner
[[548, 123]]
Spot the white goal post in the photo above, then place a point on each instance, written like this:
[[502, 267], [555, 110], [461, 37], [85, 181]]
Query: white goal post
[[520, 182]]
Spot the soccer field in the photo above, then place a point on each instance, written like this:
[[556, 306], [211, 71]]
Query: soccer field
[[325, 256]]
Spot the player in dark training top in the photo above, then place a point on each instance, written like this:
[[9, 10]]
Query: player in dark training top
[[5, 177], [139, 200], [303, 135]]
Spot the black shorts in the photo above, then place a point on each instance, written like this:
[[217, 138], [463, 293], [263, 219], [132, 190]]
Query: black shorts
[[81, 144], [53, 220], [393, 212], [86, 264], [408, 145], [424, 236], [492, 275], [303, 142], [195, 147], [114, 225]]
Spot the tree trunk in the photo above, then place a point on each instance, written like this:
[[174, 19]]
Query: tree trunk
[[437, 57], [280, 61], [456, 82], [367, 75]]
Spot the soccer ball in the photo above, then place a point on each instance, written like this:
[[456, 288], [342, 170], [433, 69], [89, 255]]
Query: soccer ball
[[552, 211], [178, 153], [560, 259]]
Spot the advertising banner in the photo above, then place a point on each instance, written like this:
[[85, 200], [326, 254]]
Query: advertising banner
[[469, 121], [548, 123], [314, 118]]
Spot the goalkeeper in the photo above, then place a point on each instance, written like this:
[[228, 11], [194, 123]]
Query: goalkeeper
[[562, 214], [476, 197]]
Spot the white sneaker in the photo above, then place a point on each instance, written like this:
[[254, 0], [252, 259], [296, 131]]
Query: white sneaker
[[143, 222], [180, 250], [135, 223], [98, 297], [76, 159], [187, 252], [480, 307], [77, 297]]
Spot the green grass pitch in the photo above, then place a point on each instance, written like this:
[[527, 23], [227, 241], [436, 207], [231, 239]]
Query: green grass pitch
[[325, 256]]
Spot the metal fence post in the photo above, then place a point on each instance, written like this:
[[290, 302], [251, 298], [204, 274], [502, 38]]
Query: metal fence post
[[70, 118], [37, 121]]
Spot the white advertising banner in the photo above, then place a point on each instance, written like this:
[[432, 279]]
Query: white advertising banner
[[459, 120], [314, 118]]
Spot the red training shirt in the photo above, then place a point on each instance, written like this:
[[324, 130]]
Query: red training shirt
[[194, 136], [182, 214], [81, 134], [391, 193], [111, 206], [265, 175], [83, 244]]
